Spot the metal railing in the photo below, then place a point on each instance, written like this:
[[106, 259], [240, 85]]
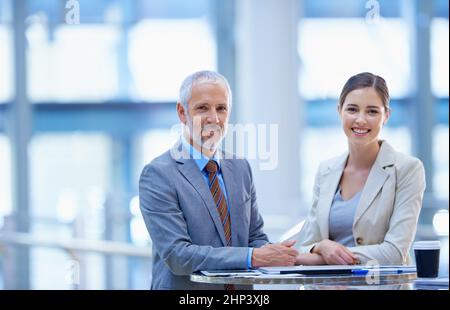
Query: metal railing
[[75, 245]]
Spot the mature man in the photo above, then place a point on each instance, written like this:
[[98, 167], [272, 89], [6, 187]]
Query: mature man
[[199, 203]]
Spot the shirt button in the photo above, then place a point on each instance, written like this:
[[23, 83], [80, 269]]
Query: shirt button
[[359, 240]]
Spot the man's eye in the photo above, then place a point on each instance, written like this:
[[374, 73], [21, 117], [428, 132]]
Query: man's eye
[[202, 108]]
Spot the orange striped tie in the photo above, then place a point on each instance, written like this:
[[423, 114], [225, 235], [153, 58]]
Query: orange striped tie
[[219, 199], [221, 205]]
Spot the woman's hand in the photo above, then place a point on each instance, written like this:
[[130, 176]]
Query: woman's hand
[[334, 253], [309, 259]]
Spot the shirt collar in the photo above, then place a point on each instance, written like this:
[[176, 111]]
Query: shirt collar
[[199, 158]]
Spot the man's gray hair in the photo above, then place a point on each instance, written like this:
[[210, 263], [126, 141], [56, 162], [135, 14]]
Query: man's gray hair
[[201, 77]]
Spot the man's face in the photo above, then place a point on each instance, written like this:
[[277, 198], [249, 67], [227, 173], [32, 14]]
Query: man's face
[[207, 115]]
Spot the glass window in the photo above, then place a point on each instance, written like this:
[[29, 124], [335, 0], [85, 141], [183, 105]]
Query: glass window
[[163, 52], [54, 269], [350, 46], [439, 57], [69, 172], [153, 143], [70, 175], [120, 50], [173, 9], [439, 84], [5, 178], [312, 145], [6, 64], [348, 8], [78, 63], [441, 166]]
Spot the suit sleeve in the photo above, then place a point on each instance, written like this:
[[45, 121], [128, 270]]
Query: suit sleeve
[[402, 226], [257, 237], [310, 234], [168, 229]]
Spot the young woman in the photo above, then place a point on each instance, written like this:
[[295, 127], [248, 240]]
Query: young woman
[[367, 201]]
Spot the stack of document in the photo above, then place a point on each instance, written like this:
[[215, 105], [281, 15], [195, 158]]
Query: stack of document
[[231, 273], [316, 270], [337, 269], [311, 270]]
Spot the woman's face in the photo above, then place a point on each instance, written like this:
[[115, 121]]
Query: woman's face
[[363, 115]]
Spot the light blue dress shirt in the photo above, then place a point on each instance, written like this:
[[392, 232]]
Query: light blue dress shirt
[[201, 160]]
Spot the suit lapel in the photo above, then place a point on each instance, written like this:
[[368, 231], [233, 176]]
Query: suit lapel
[[376, 179], [327, 195], [193, 175], [374, 183]]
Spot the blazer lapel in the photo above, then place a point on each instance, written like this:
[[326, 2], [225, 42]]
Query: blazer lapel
[[327, 192], [376, 179], [193, 175]]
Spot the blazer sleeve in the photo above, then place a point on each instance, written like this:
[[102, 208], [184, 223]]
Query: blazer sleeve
[[310, 234], [257, 237], [168, 229], [403, 223]]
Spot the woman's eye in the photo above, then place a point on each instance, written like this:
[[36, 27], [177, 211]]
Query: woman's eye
[[373, 111], [351, 109]]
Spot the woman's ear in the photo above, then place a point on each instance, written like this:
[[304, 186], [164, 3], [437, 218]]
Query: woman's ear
[[386, 117], [339, 109]]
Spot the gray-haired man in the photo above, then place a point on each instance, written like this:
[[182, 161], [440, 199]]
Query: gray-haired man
[[199, 204]]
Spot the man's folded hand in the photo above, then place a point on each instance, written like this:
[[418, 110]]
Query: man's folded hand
[[275, 254]]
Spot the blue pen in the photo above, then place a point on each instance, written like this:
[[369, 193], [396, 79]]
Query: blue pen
[[360, 271], [382, 271]]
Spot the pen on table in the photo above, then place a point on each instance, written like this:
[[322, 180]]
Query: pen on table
[[383, 271], [360, 271]]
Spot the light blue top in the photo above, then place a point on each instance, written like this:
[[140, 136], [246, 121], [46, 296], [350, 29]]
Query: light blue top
[[341, 218], [201, 160]]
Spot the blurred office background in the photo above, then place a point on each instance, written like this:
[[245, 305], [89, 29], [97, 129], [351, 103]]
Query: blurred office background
[[84, 106]]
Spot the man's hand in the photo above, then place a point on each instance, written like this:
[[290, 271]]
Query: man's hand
[[309, 259], [276, 254], [334, 253]]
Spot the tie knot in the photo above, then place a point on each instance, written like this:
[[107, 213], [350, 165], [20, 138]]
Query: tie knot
[[211, 166]]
